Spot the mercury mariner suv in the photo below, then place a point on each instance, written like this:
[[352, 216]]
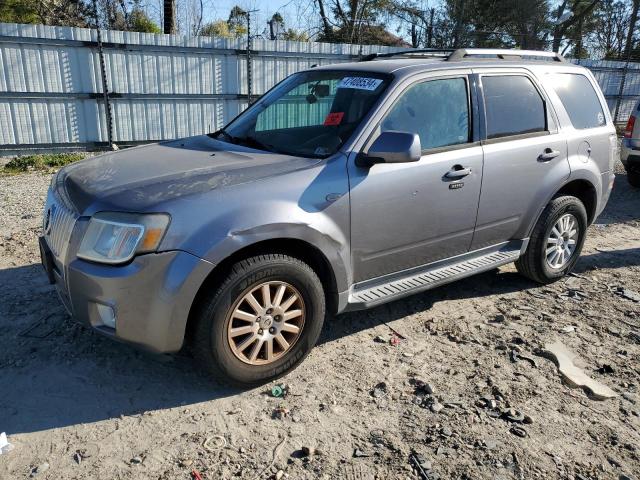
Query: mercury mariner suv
[[344, 187]]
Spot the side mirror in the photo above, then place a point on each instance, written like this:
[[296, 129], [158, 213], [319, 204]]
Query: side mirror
[[392, 147]]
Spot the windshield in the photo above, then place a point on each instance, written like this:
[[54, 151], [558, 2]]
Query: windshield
[[310, 114]]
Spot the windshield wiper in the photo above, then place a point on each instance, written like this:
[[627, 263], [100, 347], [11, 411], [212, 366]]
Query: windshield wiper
[[254, 142], [223, 132]]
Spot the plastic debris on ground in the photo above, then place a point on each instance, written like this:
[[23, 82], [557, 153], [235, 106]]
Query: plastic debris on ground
[[5, 446]]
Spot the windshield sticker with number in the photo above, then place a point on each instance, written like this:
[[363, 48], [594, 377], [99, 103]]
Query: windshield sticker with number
[[360, 83]]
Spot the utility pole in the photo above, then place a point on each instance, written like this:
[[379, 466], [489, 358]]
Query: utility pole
[[169, 16], [249, 66]]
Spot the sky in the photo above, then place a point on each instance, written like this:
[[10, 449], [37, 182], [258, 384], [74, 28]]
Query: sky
[[297, 14]]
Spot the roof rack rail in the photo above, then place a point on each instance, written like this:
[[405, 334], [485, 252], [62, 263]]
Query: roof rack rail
[[419, 53], [503, 54]]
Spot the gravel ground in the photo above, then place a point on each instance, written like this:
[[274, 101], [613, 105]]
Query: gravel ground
[[78, 406]]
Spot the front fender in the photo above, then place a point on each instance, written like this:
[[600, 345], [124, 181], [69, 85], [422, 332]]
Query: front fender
[[331, 243], [310, 205]]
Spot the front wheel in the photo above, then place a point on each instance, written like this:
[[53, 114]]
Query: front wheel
[[262, 321], [633, 177], [556, 241]]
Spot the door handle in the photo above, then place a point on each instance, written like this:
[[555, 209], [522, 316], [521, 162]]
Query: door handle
[[548, 154], [458, 171]]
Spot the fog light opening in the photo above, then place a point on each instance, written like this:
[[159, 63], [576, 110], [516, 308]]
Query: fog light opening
[[107, 315]]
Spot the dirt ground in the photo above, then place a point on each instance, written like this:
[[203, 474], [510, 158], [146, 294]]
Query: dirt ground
[[78, 406]]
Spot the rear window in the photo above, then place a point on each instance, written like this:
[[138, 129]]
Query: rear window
[[579, 99], [513, 106]]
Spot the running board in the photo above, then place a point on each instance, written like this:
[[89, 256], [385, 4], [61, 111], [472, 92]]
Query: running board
[[428, 278]]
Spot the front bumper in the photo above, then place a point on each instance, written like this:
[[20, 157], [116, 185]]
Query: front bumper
[[630, 153], [151, 296]]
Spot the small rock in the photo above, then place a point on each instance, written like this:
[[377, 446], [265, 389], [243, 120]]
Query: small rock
[[279, 474], [628, 294], [422, 387], [136, 460], [357, 453], [518, 431], [185, 463], [40, 469], [446, 432], [490, 443], [311, 452], [436, 407], [380, 339], [500, 318], [380, 390], [605, 369], [513, 415]]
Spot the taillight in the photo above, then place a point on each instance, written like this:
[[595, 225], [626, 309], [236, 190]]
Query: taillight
[[628, 131]]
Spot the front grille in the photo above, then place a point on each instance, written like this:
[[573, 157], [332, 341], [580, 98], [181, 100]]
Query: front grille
[[57, 224]]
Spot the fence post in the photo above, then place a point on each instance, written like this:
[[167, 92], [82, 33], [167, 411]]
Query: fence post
[[105, 93], [103, 76], [621, 91]]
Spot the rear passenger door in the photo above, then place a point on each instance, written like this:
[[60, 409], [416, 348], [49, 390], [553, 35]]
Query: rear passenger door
[[525, 156]]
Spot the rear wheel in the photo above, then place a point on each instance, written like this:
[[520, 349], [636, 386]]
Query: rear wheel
[[633, 176], [556, 241], [262, 321]]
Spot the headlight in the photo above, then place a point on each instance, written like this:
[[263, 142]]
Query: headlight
[[116, 237]]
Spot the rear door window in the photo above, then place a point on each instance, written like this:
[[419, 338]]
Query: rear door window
[[513, 106], [579, 99], [437, 110]]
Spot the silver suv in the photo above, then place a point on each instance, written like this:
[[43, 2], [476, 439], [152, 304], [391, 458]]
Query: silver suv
[[342, 188], [631, 148]]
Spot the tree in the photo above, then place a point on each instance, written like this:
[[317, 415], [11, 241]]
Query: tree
[[295, 35], [632, 27], [19, 11], [219, 28], [568, 14], [139, 21], [72, 13], [276, 26], [612, 22], [237, 22]]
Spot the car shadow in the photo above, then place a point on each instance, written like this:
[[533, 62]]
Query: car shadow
[[623, 203], [55, 373]]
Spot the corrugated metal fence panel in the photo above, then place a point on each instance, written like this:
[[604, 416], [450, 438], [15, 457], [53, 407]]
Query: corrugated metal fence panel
[[154, 82], [609, 74], [162, 86]]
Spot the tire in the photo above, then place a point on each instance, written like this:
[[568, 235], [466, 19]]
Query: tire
[[534, 263], [633, 177], [220, 354]]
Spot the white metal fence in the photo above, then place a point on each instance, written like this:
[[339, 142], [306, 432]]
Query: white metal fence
[[159, 86]]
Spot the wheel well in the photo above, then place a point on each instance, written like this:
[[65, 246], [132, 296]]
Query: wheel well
[[585, 192], [299, 249]]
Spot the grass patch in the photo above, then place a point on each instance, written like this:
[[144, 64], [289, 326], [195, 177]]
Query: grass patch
[[42, 161]]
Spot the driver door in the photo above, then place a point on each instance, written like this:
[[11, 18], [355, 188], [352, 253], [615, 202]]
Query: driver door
[[405, 215]]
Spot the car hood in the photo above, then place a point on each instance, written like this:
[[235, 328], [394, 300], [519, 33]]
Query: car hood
[[137, 179]]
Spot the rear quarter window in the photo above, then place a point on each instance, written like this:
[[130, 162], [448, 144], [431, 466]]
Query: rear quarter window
[[579, 99]]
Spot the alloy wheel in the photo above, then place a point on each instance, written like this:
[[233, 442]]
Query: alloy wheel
[[265, 322], [562, 241]]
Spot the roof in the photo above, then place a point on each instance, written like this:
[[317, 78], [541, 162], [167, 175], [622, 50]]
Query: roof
[[415, 61]]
